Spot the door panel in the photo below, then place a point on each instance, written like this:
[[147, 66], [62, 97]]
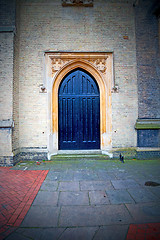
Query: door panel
[[79, 112], [90, 124], [68, 122]]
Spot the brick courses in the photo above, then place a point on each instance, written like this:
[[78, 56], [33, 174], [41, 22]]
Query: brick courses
[[148, 63], [76, 29], [7, 27], [18, 190], [109, 26]]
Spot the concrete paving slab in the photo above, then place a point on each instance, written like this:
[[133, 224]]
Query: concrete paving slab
[[105, 175], [68, 186], [85, 233], [143, 195], [98, 198], [34, 233], [60, 175], [41, 216], [123, 175], [144, 180], [119, 196], [54, 176], [16, 236], [73, 198], [42, 233], [48, 185], [51, 233], [44, 198], [67, 176], [95, 185], [94, 216], [124, 184], [85, 175], [152, 176], [115, 232], [155, 190], [145, 212]]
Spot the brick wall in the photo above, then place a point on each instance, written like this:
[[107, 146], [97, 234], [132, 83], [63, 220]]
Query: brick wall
[[46, 25], [131, 33], [148, 63], [6, 66], [7, 13], [6, 89], [7, 21], [148, 69], [15, 138]]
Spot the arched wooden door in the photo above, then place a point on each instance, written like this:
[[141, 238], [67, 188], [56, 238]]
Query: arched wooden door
[[79, 112]]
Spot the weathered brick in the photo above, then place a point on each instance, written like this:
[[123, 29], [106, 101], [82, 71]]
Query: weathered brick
[[131, 33]]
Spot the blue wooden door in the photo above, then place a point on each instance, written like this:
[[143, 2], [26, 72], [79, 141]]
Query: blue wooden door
[[79, 112]]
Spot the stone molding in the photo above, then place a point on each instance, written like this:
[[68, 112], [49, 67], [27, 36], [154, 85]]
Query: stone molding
[[147, 124], [97, 60], [85, 3], [147, 149], [7, 29], [100, 66], [6, 123]]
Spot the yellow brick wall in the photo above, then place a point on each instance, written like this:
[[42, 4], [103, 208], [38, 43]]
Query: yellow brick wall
[[46, 25], [6, 94], [6, 78]]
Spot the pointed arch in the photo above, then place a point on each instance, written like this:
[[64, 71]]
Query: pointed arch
[[102, 88]]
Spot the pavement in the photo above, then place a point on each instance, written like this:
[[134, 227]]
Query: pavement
[[80, 198]]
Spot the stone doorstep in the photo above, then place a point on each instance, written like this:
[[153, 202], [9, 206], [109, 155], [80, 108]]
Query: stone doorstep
[[78, 152]]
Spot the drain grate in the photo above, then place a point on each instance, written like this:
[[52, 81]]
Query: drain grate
[[152, 184]]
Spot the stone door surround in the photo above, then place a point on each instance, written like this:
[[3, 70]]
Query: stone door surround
[[100, 66]]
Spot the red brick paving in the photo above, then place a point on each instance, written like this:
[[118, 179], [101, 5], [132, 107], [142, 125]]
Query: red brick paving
[[17, 192], [148, 231]]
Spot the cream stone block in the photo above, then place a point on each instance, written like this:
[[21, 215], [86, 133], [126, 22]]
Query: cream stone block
[[6, 142]]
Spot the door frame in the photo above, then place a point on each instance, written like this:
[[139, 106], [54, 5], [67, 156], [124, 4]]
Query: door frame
[[79, 143], [98, 65]]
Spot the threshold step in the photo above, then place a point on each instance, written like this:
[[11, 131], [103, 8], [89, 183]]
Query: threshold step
[[77, 152], [80, 157]]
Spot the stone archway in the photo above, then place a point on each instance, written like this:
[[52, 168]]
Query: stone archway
[[78, 112], [100, 67]]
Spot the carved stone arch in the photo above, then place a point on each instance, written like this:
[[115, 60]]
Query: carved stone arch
[[103, 76]]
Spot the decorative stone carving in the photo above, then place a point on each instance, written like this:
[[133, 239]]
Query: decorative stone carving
[[115, 89], [42, 89], [101, 61], [100, 64], [57, 64], [85, 3]]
